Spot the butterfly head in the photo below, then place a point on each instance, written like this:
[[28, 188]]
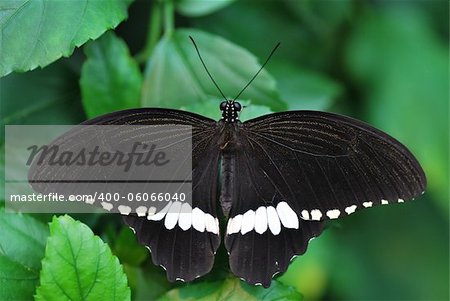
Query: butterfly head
[[230, 110]]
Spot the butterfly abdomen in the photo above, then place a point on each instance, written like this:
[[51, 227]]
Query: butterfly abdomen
[[228, 189]]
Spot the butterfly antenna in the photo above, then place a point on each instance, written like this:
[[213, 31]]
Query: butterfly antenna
[[207, 71], [262, 67]]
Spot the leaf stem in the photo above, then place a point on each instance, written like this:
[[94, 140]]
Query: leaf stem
[[169, 22], [153, 33]]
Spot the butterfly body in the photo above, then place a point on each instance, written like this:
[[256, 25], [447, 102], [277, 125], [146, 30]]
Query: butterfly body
[[228, 165], [229, 135]]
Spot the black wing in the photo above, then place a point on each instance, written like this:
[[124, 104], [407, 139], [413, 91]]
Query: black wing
[[186, 247], [296, 169], [329, 166]]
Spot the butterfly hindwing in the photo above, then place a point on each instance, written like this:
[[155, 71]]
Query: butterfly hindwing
[[186, 250], [256, 258], [263, 233]]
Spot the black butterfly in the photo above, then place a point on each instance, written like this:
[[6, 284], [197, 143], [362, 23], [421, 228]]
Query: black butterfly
[[282, 176]]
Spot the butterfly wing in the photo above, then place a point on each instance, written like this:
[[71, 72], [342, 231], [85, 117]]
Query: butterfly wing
[[186, 252], [329, 165], [186, 245], [296, 169]]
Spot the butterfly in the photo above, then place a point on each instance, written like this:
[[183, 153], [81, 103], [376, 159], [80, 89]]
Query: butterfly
[[274, 179]]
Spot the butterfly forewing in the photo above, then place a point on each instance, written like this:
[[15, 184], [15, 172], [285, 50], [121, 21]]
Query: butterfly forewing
[[327, 166]]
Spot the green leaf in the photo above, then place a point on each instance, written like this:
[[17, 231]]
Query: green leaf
[[208, 108], [22, 245], [128, 250], [79, 266], [309, 272], [110, 78], [396, 273], [250, 111], [268, 22], [303, 89], [51, 96], [147, 282], [175, 77], [197, 8], [47, 96], [36, 33], [232, 289], [322, 17]]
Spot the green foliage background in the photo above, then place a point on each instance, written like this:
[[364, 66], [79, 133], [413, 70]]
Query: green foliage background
[[385, 62]]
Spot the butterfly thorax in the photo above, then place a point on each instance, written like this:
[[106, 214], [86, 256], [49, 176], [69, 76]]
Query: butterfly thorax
[[229, 140], [230, 111]]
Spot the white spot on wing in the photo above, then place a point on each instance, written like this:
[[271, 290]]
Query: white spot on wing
[[229, 223], [125, 210], [107, 206], [316, 214], [141, 211], [305, 215], [333, 213], [185, 219], [248, 222], [273, 220], [236, 224], [160, 215], [287, 216], [198, 219], [350, 209], [367, 204], [151, 210], [261, 220], [384, 202], [401, 200], [172, 216], [210, 223]]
